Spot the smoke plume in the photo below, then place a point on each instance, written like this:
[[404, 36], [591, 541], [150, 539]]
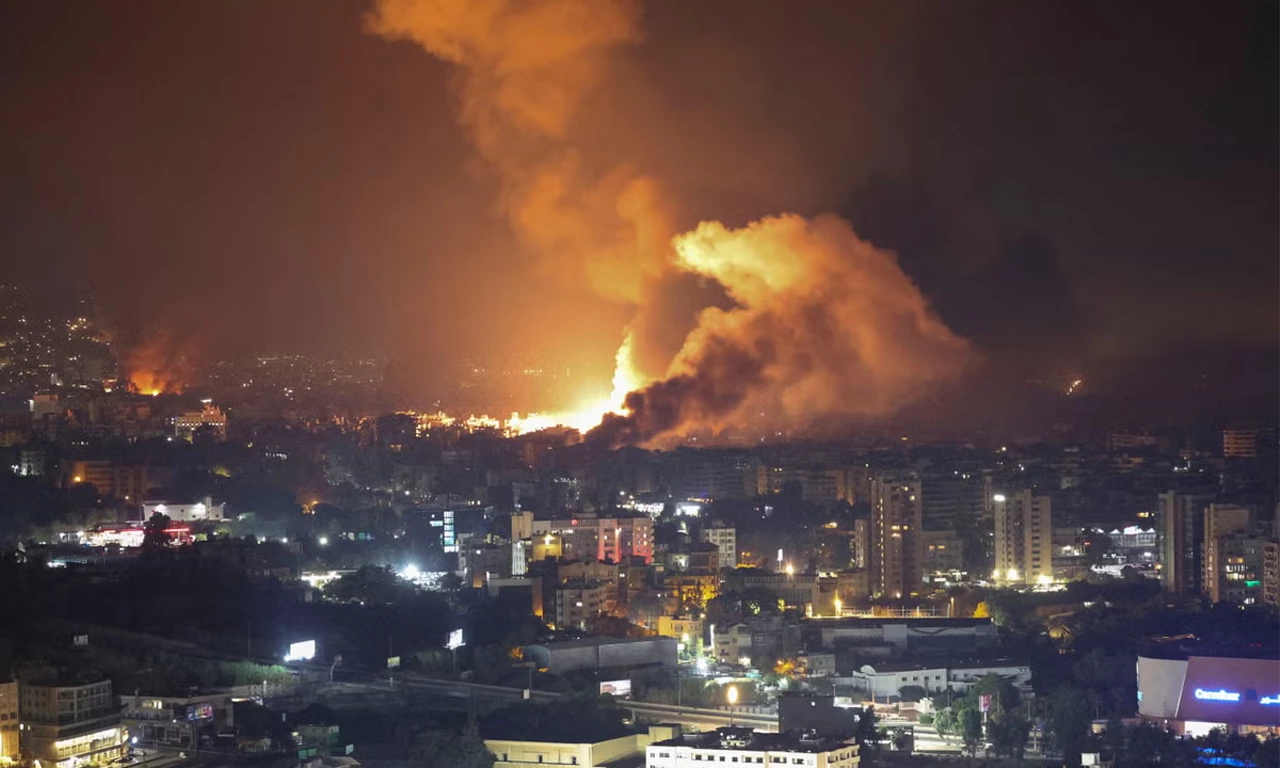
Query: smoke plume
[[823, 324], [161, 363], [826, 325]]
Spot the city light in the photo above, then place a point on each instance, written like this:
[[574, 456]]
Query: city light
[[323, 541]]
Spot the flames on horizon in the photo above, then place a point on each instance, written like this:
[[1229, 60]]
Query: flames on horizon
[[823, 324], [157, 365]]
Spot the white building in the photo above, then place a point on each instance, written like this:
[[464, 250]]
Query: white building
[[210, 418], [204, 509], [886, 679], [1023, 538], [743, 746], [726, 540]]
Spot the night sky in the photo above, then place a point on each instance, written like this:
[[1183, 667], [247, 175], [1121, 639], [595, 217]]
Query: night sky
[[1078, 186]]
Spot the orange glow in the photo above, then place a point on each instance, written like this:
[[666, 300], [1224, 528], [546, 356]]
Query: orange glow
[[158, 365], [626, 379]]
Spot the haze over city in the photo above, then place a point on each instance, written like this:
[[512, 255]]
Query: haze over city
[[478, 383]]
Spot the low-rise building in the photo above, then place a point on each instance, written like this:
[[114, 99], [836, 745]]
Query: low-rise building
[[603, 653], [69, 726], [744, 746], [887, 679], [184, 511], [173, 720], [589, 751]]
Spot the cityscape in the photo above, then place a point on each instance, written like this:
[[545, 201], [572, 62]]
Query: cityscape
[[617, 383]]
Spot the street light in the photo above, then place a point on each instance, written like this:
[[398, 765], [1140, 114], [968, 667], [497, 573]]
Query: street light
[[731, 695]]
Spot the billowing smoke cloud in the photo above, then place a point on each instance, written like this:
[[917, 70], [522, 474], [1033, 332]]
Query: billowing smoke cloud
[[524, 69], [826, 325], [161, 363]]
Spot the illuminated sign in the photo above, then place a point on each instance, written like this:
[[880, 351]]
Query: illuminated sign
[[1270, 700], [1218, 695], [455, 640], [618, 688], [303, 651]]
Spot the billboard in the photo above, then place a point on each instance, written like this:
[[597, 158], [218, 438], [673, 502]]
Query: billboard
[[393, 662], [455, 640], [303, 651], [200, 711], [618, 688]]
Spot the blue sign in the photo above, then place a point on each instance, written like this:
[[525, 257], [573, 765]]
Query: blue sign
[[1232, 697]]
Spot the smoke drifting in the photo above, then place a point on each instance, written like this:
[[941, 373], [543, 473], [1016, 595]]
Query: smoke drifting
[[159, 364], [524, 68], [824, 324]]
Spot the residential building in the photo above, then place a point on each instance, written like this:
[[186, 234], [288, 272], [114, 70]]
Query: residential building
[[1240, 443], [897, 549], [1271, 573], [686, 629], [942, 553], [696, 473], [1233, 568], [70, 726], [597, 538], [959, 502], [733, 745], [111, 478], [208, 420], [1023, 538], [579, 601], [726, 540], [1182, 541], [9, 742]]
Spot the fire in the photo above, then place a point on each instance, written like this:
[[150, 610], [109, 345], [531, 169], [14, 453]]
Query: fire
[[823, 324], [159, 364], [626, 379]]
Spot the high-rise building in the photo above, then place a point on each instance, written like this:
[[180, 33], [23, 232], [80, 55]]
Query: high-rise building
[[70, 726], [9, 750], [1023, 538], [1182, 541], [1240, 443], [1271, 573], [1232, 555], [896, 544], [1233, 568], [960, 502], [726, 540]]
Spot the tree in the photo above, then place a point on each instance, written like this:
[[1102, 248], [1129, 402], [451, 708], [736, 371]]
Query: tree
[[450, 749], [371, 584], [1008, 736], [866, 733], [155, 533], [971, 730], [1068, 713]]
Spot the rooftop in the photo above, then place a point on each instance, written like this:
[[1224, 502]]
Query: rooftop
[[590, 642], [746, 739]]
